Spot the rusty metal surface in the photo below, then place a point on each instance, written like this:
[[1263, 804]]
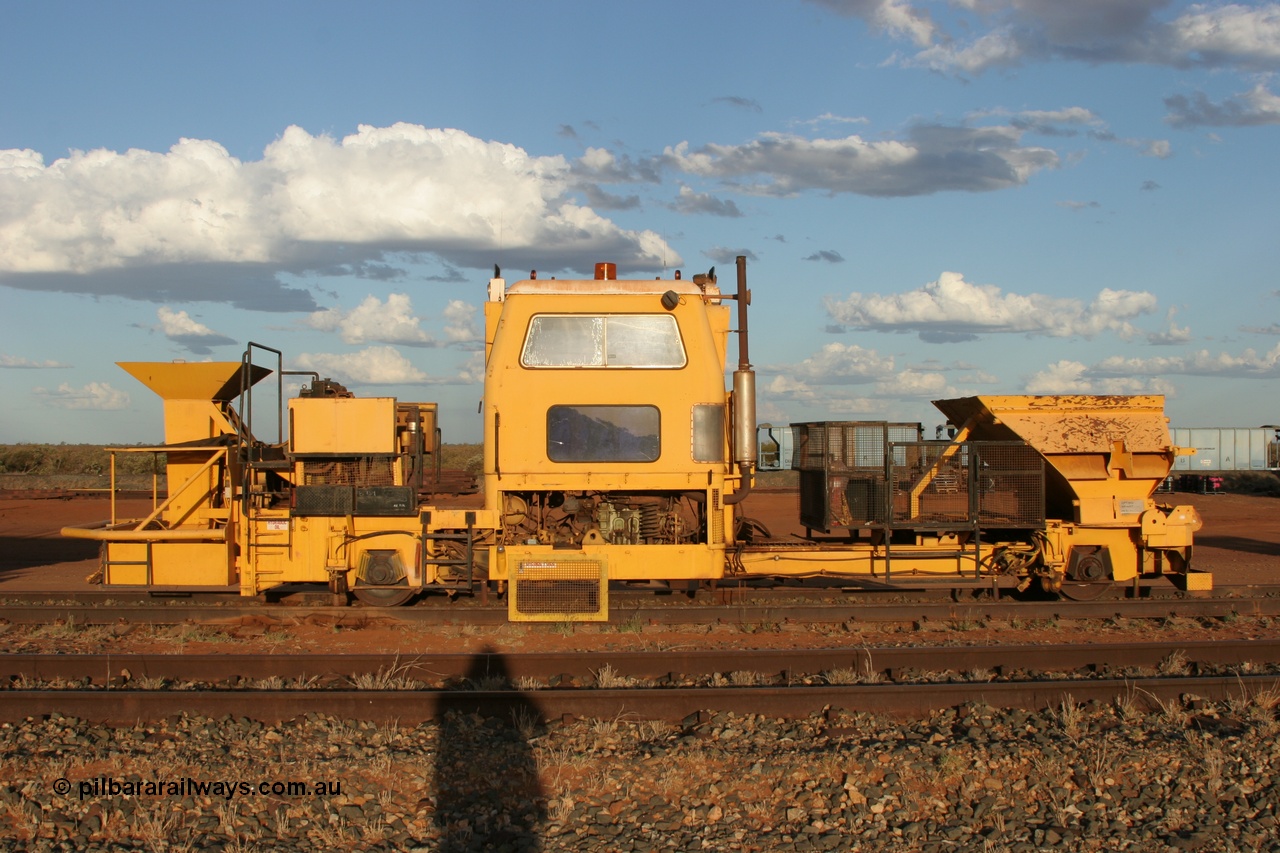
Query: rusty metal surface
[[1065, 423], [786, 664], [413, 707], [738, 607]]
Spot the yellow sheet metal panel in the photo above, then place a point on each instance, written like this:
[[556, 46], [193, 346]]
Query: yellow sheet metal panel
[[455, 518], [531, 396], [342, 425], [1172, 530], [202, 380], [191, 563], [126, 564], [171, 564], [1066, 423], [1195, 581]]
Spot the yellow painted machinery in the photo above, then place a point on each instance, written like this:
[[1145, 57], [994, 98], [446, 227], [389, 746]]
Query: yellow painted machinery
[[615, 452], [1055, 489]]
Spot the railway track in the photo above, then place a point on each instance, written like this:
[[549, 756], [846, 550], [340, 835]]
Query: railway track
[[686, 706], [723, 594], [778, 609], [789, 666], [670, 686]]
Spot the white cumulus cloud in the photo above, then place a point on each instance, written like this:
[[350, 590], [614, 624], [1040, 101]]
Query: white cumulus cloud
[[897, 17], [181, 328], [380, 365], [952, 309], [1259, 106], [461, 322], [392, 322], [986, 34], [1248, 364], [916, 383], [1072, 377], [179, 323], [932, 158], [15, 361], [95, 396], [835, 364], [312, 202]]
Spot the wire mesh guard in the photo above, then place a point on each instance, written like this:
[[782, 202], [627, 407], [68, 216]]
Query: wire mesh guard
[[365, 471], [991, 484], [836, 446], [568, 590], [363, 486], [842, 470], [873, 473]]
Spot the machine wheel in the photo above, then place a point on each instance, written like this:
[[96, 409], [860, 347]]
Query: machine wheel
[[381, 580], [1085, 590], [383, 596], [1088, 573]]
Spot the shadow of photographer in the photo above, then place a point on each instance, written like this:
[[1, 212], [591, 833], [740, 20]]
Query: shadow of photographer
[[488, 796]]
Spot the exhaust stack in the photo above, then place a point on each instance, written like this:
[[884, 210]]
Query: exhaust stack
[[744, 394]]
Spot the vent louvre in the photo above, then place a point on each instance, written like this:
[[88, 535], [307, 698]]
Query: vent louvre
[[559, 590]]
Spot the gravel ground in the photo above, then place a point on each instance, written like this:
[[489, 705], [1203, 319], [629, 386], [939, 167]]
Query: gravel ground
[[1185, 776]]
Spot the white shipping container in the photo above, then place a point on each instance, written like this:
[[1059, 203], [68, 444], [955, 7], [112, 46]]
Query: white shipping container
[[1225, 449]]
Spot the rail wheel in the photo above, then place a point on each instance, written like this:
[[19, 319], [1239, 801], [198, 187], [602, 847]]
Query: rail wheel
[[381, 580], [1088, 573], [383, 596], [1084, 590]]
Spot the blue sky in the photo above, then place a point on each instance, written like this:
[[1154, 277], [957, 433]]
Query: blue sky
[[936, 199]]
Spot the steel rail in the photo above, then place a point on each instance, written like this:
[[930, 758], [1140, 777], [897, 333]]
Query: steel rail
[[173, 613], [787, 665], [724, 595], [686, 705]]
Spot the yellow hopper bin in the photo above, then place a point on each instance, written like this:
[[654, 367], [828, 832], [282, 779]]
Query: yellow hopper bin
[[188, 390], [1106, 454]]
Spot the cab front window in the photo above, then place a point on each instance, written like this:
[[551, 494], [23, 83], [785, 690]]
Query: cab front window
[[608, 340], [603, 434]]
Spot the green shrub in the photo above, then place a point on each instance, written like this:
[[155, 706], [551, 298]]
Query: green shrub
[[86, 459], [21, 459], [1253, 483]]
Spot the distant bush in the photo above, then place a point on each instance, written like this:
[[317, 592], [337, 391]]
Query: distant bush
[[89, 459], [1253, 483], [75, 466], [21, 459], [92, 459], [462, 457]]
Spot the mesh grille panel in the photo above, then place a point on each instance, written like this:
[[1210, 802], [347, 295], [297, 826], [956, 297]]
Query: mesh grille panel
[[559, 587], [323, 500], [992, 483], [842, 470], [1010, 484], [374, 471], [930, 484], [846, 445]]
